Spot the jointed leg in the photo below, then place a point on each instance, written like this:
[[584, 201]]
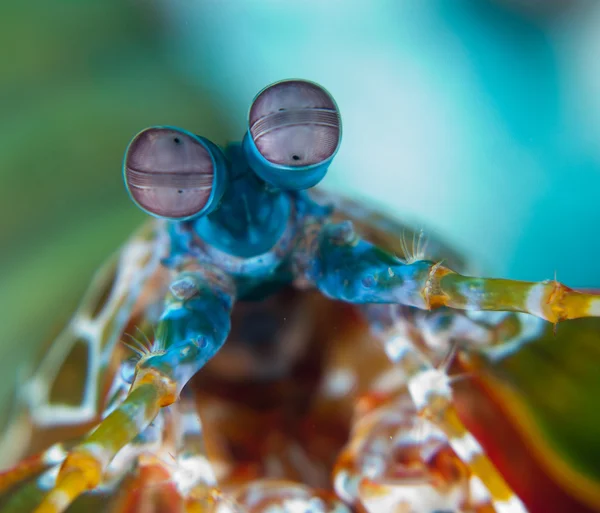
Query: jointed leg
[[196, 479], [159, 470], [194, 325], [345, 267], [78, 357], [431, 393]]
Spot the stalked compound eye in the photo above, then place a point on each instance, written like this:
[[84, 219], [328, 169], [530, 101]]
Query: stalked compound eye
[[294, 132], [173, 174]]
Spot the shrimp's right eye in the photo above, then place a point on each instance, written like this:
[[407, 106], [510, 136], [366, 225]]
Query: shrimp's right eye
[[294, 131], [173, 174]]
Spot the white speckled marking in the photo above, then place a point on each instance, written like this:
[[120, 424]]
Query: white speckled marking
[[48, 479], [346, 486], [426, 383], [98, 452], [397, 346], [60, 500], [191, 471], [479, 493], [466, 447], [512, 505], [339, 383], [54, 454], [413, 497], [535, 299], [594, 308]]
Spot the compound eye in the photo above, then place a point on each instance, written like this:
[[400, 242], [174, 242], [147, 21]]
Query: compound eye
[[170, 172], [295, 123]]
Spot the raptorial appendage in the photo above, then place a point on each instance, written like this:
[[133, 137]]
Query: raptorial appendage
[[65, 389], [194, 324], [343, 266]]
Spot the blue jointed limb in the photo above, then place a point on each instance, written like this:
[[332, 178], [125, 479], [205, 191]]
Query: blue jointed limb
[[192, 328], [343, 266]]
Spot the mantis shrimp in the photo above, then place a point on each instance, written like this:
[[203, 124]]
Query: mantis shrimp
[[248, 289]]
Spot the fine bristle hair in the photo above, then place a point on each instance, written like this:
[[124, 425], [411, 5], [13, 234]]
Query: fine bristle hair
[[417, 249], [145, 339], [135, 345], [142, 345]]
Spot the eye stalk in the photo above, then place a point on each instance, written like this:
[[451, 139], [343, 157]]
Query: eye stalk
[[173, 174], [294, 131]]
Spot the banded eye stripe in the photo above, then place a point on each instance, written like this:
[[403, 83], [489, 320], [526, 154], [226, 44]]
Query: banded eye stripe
[[292, 117], [169, 180]]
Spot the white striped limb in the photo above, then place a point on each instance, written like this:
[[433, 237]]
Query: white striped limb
[[431, 393]]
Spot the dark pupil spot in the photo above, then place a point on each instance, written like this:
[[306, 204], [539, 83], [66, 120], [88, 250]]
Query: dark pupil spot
[[180, 191], [176, 140], [295, 157]]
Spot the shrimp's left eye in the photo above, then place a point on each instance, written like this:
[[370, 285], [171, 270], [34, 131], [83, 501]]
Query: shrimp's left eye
[[293, 134], [173, 174]]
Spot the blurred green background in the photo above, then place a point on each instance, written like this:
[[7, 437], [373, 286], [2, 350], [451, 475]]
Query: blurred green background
[[478, 120]]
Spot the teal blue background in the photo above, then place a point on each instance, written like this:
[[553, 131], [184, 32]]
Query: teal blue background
[[477, 120]]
